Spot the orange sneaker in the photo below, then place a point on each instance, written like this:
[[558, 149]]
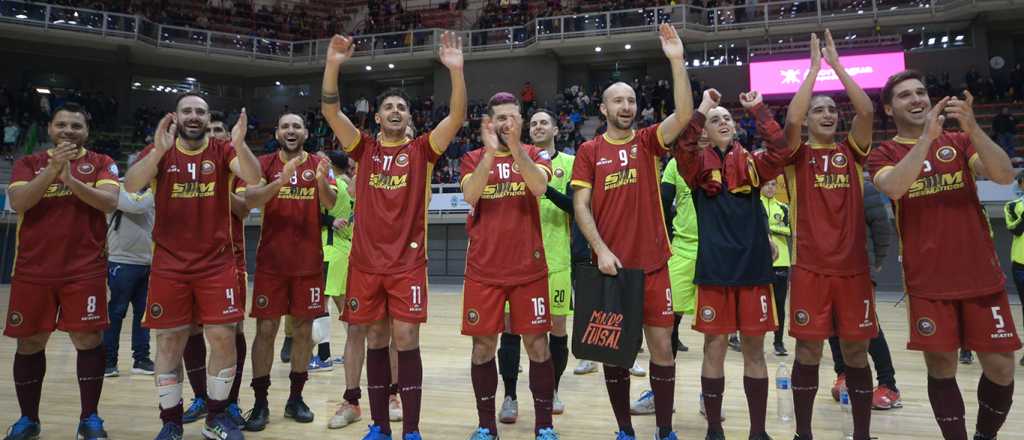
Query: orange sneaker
[[838, 385], [886, 398]]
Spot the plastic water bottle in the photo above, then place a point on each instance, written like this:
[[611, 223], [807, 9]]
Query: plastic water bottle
[[784, 393], [844, 404]]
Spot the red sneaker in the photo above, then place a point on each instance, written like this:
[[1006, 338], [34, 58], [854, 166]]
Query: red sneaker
[[838, 385], [885, 398]]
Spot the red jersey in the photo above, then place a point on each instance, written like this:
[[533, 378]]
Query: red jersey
[[192, 231], [944, 233], [505, 244], [290, 235], [238, 228], [826, 197], [392, 185], [62, 237], [626, 201]]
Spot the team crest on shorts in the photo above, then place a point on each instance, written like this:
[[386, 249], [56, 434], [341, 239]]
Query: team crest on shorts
[[472, 317], [708, 314], [353, 304], [839, 160], [402, 160], [207, 167], [262, 301], [926, 327], [15, 319], [308, 175], [156, 310], [946, 154], [86, 168], [801, 317], [559, 172]]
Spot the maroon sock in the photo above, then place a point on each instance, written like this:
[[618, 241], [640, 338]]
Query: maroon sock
[[29, 370], [410, 385], [993, 404], [485, 386], [298, 382], [352, 395], [805, 387], [90, 378], [663, 383], [757, 402], [616, 379], [214, 409], [239, 367], [378, 370], [859, 385], [542, 386], [948, 406], [260, 388], [711, 390], [173, 414], [195, 364]]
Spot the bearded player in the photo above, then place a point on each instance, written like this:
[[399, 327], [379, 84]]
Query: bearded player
[[62, 196], [954, 283], [194, 277], [830, 282], [618, 209], [387, 268]]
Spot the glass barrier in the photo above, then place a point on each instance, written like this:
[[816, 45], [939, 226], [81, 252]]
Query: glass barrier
[[426, 39], [149, 31], [586, 24], [121, 24], [490, 38], [790, 12], [269, 49], [175, 36], [26, 13], [304, 50], [75, 19], [230, 44], [549, 28]]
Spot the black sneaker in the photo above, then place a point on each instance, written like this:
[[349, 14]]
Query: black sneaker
[[734, 343], [980, 436], [298, 410], [966, 357], [111, 371], [761, 436], [715, 435], [142, 366], [1022, 361], [780, 349], [682, 346], [256, 419], [286, 350]]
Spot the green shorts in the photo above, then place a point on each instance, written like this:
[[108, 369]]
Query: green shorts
[[680, 272], [559, 292], [337, 271]]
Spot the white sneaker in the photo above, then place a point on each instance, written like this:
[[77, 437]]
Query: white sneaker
[[557, 406], [394, 409], [703, 412], [585, 367], [643, 405], [346, 415], [509, 411], [637, 370]]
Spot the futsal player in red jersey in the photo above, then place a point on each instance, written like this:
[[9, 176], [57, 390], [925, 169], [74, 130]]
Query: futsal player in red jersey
[[830, 281], [289, 263], [387, 268], [505, 261], [618, 208], [62, 196], [193, 278], [954, 283]]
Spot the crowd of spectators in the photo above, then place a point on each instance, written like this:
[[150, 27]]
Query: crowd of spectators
[[24, 113]]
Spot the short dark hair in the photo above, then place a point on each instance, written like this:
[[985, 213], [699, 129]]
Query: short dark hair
[[339, 159], [74, 107], [393, 92], [217, 116], [894, 80], [301, 118], [554, 119], [501, 98], [186, 95]]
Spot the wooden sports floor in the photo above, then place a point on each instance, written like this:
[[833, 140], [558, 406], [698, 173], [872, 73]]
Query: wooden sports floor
[[129, 401]]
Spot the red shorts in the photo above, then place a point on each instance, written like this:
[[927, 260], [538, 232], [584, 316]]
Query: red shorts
[[658, 299], [41, 307], [825, 305], [374, 296], [483, 308], [212, 300], [982, 323], [274, 296], [725, 309]]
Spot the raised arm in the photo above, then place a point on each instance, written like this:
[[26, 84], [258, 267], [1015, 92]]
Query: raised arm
[[473, 184], [778, 152], [144, 170], [607, 262], [864, 120], [245, 165], [801, 102], [450, 55], [994, 163], [535, 176], [682, 95], [896, 180], [339, 51]]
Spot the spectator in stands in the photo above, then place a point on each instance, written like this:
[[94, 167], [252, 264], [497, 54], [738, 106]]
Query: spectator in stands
[[11, 133], [647, 115], [527, 95], [1004, 128], [362, 109], [1017, 82]]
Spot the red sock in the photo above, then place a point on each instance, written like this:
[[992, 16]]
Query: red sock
[[29, 370], [90, 379], [948, 406], [410, 386], [215, 408], [712, 390], [378, 372], [260, 389], [485, 386], [663, 383], [805, 387], [298, 382], [239, 367], [994, 403], [757, 402], [616, 379], [173, 414], [352, 395], [195, 364], [859, 385], [542, 386]]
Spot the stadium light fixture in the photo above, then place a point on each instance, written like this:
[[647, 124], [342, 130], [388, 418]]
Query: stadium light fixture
[[190, 79], [910, 30], [597, 49], [739, 63], [136, 84], [931, 41], [21, 16], [277, 83], [369, 68], [628, 46], [391, 65], [945, 39], [42, 90], [959, 38]]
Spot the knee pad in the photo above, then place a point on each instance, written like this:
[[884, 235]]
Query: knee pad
[[321, 331], [218, 387], [168, 389]]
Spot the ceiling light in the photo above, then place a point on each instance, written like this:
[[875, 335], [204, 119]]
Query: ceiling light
[[42, 90], [277, 83], [628, 46], [369, 68], [190, 79], [597, 49], [391, 66]]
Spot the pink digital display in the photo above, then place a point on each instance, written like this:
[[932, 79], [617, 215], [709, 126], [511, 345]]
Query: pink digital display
[[783, 77]]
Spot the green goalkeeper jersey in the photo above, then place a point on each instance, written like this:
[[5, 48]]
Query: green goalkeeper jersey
[[554, 222]]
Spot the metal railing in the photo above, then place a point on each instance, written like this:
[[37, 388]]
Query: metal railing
[[753, 16]]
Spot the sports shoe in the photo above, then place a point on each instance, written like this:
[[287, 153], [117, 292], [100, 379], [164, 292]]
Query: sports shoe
[[394, 408], [966, 357], [298, 410], [715, 435], [621, 435], [671, 436], [980, 436], [346, 414], [637, 370], [838, 385], [222, 428], [111, 372], [286, 350], [23, 429], [195, 410], [547, 434], [316, 365], [375, 434], [483, 434], [557, 406], [1022, 361], [885, 398], [257, 418], [91, 428], [643, 405], [734, 342], [585, 367], [142, 366], [170, 431], [780, 349], [761, 436], [236, 414], [412, 436], [682, 346], [509, 410]]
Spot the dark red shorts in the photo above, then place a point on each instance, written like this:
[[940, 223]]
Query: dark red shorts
[[372, 297], [483, 308], [275, 296], [824, 305], [41, 307], [723, 310], [212, 300], [658, 299], [982, 323]]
